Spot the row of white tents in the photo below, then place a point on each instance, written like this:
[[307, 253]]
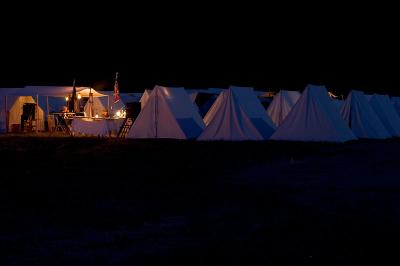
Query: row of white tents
[[313, 116], [236, 114]]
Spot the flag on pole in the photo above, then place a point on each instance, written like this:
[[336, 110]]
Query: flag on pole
[[116, 89], [73, 102]]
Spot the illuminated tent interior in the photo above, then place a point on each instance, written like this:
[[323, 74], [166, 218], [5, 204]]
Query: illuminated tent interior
[[13, 106]]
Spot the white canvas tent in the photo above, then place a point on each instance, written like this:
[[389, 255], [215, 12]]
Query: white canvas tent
[[11, 109], [53, 91], [118, 106], [145, 97], [314, 118], [237, 115], [361, 118], [168, 113], [281, 105], [98, 107], [396, 104], [384, 108]]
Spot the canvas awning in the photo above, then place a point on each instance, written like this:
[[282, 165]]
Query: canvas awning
[[52, 91]]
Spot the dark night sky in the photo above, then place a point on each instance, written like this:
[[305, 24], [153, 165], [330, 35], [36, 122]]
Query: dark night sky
[[357, 56]]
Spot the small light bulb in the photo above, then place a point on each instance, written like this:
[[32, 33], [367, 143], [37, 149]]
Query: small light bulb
[[118, 113], [67, 98], [97, 116], [79, 96]]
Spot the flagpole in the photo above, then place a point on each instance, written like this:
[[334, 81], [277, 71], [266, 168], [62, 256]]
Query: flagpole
[[116, 90], [90, 102], [6, 112], [37, 113]]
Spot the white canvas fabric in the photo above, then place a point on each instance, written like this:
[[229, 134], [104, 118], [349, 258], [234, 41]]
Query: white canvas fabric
[[54, 91], [14, 107], [396, 104], [314, 118], [145, 97], [361, 118], [98, 107], [168, 113], [281, 105], [237, 115], [384, 108]]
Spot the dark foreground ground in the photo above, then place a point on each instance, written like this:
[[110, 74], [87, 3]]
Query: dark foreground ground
[[71, 201]]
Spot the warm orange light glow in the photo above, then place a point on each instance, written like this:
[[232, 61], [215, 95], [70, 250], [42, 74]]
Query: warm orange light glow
[[118, 113], [67, 98], [97, 116], [79, 96]]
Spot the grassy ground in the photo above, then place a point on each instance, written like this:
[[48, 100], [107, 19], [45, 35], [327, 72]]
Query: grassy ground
[[88, 201]]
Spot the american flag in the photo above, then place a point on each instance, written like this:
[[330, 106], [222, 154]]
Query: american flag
[[116, 89]]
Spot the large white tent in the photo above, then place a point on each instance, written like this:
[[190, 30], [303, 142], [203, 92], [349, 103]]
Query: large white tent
[[314, 118], [237, 114], [168, 113], [361, 118], [11, 109], [384, 108], [281, 105]]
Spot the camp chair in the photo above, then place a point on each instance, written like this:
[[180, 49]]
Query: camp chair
[[60, 124]]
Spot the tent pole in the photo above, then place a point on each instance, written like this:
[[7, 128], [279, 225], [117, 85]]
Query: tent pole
[[109, 111], [6, 113], [47, 105], [48, 112], [37, 112]]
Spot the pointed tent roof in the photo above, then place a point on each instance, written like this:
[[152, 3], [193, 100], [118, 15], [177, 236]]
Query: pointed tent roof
[[361, 118], [237, 114], [281, 105], [145, 97], [384, 108], [168, 113], [314, 118], [98, 107]]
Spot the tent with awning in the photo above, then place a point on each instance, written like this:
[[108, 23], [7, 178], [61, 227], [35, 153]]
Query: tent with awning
[[11, 109]]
